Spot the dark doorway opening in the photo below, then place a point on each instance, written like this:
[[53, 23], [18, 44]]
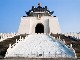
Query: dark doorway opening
[[39, 28]]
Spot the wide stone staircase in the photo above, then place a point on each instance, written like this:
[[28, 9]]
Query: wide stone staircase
[[68, 40], [5, 44]]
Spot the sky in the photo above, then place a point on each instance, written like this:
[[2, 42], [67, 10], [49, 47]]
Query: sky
[[67, 11]]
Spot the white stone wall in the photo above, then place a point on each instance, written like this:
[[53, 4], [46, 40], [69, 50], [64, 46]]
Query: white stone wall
[[24, 25], [34, 22], [28, 24], [53, 24]]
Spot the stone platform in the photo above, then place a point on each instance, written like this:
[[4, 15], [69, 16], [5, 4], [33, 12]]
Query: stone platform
[[40, 59]]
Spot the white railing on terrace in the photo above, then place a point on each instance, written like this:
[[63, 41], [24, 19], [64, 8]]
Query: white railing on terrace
[[74, 35], [17, 41], [7, 35]]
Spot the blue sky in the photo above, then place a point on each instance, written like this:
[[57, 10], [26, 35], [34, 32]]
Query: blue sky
[[68, 12]]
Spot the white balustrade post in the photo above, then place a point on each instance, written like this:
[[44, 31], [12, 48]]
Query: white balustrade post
[[64, 41], [20, 38], [14, 33], [1, 37], [9, 45], [54, 37], [59, 38], [71, 45], [16, 40], [79, 35]]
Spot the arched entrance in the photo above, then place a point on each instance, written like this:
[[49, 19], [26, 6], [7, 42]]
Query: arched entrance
[[39, 28]]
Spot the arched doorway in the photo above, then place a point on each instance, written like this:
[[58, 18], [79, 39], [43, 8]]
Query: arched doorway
[[39, 28]]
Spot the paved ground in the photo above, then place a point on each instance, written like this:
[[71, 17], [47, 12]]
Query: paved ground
[[39, 59]]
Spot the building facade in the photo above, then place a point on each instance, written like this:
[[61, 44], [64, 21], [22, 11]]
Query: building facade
[[39, 20]]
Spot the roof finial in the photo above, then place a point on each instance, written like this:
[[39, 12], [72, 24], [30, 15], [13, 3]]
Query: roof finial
[[39, 4]]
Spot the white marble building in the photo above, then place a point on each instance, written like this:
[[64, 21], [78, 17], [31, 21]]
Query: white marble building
[[38, 24], [41, 20]]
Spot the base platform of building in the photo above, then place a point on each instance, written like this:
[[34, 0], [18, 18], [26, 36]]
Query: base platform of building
[[39, 58]]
